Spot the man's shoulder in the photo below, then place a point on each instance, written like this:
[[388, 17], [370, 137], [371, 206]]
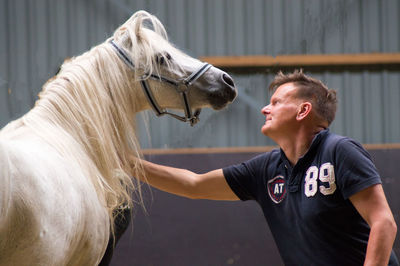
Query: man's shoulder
[[273, 156], [343, 147], [264, 160], [340, 141], [333, 140], [274, 153]]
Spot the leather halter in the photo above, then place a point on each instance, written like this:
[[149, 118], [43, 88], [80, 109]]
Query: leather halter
[[181, 86]]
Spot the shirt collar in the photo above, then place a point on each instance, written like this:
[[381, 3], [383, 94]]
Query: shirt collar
[[294, 177], [314, 144]]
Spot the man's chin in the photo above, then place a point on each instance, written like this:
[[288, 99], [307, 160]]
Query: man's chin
[[264, 130]]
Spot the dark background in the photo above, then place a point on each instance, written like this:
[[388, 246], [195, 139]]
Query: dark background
[[179, 231]]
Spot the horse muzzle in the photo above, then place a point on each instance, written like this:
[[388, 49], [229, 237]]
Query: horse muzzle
[[224, 93]]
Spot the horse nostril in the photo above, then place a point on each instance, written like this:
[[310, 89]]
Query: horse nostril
[[230, 91], [228, 80]]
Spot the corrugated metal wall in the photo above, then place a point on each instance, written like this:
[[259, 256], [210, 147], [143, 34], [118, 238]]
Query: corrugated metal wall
[[36, 36]]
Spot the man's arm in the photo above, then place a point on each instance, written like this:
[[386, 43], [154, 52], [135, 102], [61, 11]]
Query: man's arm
[[372, 205], [211, 185]]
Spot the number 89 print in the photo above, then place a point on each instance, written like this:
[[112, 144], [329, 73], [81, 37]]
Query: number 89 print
[[325, 174]]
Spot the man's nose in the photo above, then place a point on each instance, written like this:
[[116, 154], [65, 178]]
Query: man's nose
[[265, 110]]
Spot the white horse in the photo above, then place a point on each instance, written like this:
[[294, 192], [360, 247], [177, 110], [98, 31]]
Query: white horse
[[63, 165]]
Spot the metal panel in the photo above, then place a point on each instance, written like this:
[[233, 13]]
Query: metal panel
[[5, 112], [39, 35]]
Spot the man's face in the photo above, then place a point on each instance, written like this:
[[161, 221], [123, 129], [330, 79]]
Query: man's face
[[280, 114]]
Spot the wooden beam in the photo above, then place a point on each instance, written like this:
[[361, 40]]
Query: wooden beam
[[209, 150], [302, 60], [255, 149]]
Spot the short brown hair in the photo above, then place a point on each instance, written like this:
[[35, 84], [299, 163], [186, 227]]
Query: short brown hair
[[322, 98]]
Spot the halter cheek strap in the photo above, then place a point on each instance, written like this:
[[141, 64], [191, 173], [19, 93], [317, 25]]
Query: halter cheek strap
[[182, 87]]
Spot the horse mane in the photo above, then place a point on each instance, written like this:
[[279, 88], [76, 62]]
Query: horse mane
[[89, 106]]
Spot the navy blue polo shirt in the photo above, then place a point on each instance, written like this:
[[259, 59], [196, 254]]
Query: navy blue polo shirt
[[307, 206]]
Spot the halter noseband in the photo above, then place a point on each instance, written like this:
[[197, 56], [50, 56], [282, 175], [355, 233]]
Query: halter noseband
[[181, 86]]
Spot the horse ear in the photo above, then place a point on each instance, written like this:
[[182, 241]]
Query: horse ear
[[138, 31], [123, 37]]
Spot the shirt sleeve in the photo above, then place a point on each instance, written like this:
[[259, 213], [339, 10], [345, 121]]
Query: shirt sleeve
[[244, 178], [355, 170]]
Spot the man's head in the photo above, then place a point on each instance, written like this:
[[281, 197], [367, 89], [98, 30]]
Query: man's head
[[321, 97], [297, 99]]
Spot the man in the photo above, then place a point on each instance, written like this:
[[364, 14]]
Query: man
[[320, 193]]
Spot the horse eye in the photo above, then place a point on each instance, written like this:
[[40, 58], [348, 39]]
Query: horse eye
[[160, 59]]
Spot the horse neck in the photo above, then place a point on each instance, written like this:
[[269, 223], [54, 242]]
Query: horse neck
[[96, 109]]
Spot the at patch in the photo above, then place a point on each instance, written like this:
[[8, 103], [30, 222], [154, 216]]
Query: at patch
[[277, 189]]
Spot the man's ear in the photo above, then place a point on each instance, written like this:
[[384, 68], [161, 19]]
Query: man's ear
[[304, 110]]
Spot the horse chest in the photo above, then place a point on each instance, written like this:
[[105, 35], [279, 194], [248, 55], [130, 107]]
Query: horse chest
[[54, 215]]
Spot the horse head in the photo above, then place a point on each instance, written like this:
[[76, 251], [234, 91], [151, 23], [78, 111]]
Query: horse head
[[169, 77]]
